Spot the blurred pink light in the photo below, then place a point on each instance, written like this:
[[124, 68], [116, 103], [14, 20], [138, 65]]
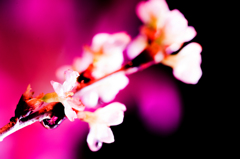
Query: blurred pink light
[[159, 101]]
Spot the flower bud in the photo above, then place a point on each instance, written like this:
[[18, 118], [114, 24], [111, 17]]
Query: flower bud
[[27, 103]]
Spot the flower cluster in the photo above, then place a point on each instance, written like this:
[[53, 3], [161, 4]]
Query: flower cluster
[[103, 57], [99, 121], [100, 73], [163, 33]]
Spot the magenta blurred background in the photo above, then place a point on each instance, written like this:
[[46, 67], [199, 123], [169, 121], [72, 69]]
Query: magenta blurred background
[[39, 36]]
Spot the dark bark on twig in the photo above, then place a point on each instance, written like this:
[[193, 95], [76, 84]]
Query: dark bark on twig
[[55, 109]]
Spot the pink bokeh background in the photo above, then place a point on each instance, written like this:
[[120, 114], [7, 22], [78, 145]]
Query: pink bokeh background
[[39, 36]]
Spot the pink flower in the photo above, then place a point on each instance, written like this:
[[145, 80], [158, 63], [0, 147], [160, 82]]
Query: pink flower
[[176, 31], [153, 12], [103, 57], [111, 86], [99, 122], [60, 71], [107, 57], [107, 51], [137, 46], [165, 28], [186, 64], [64, 94], [165, 32]]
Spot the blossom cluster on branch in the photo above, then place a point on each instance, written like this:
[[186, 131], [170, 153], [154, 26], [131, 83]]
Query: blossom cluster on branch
[[96, 77]]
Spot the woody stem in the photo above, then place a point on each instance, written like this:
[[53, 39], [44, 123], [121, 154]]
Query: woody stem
[[17, 124], [142, 61]]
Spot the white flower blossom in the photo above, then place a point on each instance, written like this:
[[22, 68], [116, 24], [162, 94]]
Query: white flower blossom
[[65, 95], [100, 122], [186, 64]]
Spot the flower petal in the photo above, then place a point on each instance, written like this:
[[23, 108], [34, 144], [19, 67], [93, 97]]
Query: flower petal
[[99, 133], [81, 63], [136, 46], [98, 41], [71, 75], [90, 99], [108, 63], [116, 43], [111, 114], [70, 113], [190, 33], [57, 88], [93, 143], [71, 80], [60, 72], [185, 35], [104, 133], [187, 68], [111, 86], [175, 27], [74, 103], [153, 9]]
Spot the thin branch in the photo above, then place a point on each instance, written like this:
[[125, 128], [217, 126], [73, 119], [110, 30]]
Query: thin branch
[[15, 124], [142, 61]]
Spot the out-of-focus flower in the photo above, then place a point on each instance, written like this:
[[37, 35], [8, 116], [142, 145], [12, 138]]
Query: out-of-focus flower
[[106, 90], [103, 57], [163, 33], [153, 12], [165, 28], [137, 46], [80, 64], [107, 51], [64, 95], [186, 64], [176, 31], [99, 122]]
